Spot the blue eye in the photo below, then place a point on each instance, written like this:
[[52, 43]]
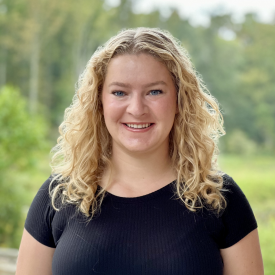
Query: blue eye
[[155, 92], [118, 93]]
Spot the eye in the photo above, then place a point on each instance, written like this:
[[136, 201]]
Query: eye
[[155, 92], [118, 93]]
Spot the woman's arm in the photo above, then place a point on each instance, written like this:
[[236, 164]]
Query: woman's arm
[[34, 258], [244, 257]]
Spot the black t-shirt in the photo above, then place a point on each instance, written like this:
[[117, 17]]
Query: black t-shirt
[[154, 234]]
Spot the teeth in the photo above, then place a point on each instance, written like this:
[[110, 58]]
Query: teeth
[[139, 126]]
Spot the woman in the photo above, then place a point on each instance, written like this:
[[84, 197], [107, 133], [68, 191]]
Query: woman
[[134, 188]]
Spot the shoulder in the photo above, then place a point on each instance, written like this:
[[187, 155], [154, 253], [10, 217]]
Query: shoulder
[[229, 182], [41, 213], [238, 218], [230, 187], [233, 194], [48, 185], [43, 195]]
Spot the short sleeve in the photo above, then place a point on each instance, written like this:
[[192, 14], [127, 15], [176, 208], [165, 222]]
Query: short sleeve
[[238, 219], [40, 216]]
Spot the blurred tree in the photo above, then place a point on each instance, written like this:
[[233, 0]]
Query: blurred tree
[[257, 79], [45, 45], [240, 144], [218, 61], [20, 136]]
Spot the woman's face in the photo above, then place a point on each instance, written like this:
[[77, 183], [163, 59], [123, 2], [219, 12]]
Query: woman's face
[[139, 103]]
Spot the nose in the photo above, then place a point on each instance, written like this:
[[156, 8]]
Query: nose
[[137, 106]]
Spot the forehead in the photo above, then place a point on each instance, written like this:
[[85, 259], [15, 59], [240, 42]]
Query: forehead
[[137, 68]]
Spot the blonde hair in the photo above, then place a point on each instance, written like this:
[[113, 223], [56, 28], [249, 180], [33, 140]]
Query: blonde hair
[[83, 149]]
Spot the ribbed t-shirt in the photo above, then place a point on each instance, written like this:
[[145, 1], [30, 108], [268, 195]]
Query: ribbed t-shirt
[[154, 234]]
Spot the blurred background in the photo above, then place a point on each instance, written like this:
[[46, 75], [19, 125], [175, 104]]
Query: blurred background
[[45, 45]]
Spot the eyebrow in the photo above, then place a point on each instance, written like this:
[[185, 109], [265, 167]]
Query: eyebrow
[[126, 85]]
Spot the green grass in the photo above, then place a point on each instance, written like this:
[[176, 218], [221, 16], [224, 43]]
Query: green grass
[[256, 177]]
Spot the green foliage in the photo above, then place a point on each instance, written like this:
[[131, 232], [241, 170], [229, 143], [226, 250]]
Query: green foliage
[[238, 143], [20, 133], [256, 85], [239, 72], [20, 136]]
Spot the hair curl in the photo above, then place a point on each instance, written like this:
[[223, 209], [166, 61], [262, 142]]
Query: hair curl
[[84, 146]]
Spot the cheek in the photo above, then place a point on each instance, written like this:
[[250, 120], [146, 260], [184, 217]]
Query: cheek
[[167, 109], [112, 111]]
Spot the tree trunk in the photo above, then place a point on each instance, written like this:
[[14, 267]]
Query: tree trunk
[[34, 72], [3, 66]]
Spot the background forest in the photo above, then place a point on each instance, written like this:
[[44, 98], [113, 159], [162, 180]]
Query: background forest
[[45, 45]]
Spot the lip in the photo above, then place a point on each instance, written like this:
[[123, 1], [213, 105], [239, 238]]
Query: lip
[[138, 130]]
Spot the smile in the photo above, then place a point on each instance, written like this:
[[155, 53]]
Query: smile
[[138, 126]]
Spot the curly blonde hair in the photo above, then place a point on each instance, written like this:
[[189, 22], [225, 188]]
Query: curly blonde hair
[[83, 149]]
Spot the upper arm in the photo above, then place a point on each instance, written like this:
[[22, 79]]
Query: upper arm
[[244, 257], [34, 258]]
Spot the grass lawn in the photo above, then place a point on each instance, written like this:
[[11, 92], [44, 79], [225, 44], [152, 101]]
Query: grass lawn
[[256, 177]]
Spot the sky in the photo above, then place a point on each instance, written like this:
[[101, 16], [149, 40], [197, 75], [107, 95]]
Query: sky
[[197, 11]]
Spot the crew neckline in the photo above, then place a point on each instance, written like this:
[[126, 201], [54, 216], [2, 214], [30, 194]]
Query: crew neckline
[[155, 194]]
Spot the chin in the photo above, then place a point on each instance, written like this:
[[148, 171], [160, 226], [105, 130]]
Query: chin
[[137, 149]]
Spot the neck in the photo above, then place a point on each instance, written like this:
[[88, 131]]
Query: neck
[[136, 174]]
